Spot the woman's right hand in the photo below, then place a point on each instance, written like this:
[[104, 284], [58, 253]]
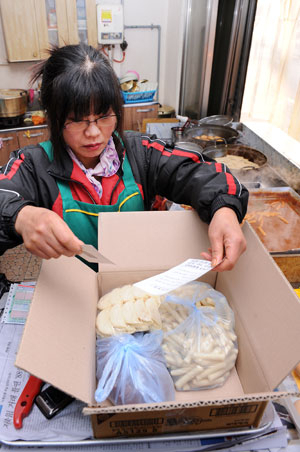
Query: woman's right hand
[[45, 234]]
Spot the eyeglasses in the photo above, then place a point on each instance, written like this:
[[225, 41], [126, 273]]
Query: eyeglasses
[[80, 126]]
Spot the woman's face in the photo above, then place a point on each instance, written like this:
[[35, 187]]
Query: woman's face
[[87, 138]]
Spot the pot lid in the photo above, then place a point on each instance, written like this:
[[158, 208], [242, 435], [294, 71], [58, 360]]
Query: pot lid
[[11, 93], [188, 145], [218, 120], [166, 109]]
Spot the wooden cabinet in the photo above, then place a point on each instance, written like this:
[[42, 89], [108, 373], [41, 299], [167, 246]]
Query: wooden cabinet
[[32, 136], [15, 139], [8, 143], [134, 114], [32, 26], [25, 29]]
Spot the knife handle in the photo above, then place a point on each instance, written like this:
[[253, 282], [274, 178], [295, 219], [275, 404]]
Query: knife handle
[[26, 399]]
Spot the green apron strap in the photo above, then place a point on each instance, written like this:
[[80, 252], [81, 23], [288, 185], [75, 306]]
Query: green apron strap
[[48, 148]]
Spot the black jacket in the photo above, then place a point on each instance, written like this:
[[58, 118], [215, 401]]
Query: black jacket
[[182, 176]]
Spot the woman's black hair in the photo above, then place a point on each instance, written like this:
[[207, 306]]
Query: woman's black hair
[[77, 79]]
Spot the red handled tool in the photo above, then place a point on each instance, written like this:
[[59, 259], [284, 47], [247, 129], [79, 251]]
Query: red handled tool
[[26, 399]]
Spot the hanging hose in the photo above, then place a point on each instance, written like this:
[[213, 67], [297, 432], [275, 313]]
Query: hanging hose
[[116, 61], [123, 58]]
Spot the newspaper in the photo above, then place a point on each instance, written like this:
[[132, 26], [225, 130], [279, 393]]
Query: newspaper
[[67, 425]]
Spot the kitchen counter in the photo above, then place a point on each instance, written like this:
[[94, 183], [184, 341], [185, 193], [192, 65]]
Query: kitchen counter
[[287, 171], [22, 126], [278, 139]]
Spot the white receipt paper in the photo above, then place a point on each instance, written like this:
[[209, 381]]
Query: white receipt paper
[[175, 277]]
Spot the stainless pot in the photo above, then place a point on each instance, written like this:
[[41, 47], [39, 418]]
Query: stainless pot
[[13, 102], [177, 134], [206, 134], [253, 155]]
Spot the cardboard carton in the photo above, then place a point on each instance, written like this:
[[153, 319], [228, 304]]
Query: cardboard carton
[[58, 344]]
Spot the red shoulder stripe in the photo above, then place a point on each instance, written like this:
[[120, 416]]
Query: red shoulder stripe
[[219, 168], [153, 144], [192, 156], [160, 147], [13, 170], [229, 179], [231, 184]]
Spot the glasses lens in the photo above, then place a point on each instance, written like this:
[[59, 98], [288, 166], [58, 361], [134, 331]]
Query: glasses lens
[[106, 121], [75, 126]]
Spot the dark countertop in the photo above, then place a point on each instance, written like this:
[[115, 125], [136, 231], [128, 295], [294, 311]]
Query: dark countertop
[[282, 168], [22, 126]]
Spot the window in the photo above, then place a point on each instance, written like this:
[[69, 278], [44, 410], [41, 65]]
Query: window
[[272, 89]]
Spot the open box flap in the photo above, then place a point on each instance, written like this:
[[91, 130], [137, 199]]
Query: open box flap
[[256, 277], [58, 343], [143, 242]]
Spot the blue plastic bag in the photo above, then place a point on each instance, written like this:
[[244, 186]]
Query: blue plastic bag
[[132, 369]]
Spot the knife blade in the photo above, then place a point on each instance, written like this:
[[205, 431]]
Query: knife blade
[[89, 253], [291, 252]]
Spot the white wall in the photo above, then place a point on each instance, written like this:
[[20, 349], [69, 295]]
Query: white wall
[[142, 51], [173, 52]]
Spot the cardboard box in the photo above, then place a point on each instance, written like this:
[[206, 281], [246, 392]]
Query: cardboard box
[[58, 344]]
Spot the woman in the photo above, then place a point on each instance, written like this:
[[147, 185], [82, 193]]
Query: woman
[[52, 193]]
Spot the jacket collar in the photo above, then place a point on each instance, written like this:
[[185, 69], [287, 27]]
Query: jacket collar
[[65, 168]]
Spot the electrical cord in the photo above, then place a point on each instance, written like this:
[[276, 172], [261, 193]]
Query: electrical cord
[[123, 46]]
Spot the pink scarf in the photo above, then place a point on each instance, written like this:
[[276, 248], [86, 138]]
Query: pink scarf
[[108, 165]]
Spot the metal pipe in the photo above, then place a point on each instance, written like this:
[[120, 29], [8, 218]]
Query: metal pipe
[[184, 58], [211, 11], [210, 34], [236, 22], [151, 27]]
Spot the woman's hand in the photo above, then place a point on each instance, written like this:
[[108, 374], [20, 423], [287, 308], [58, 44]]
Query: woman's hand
[[226, 238], [45, 234]]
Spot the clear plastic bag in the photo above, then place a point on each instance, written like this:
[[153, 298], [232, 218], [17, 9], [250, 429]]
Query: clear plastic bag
[[132, 369], [200, 345]]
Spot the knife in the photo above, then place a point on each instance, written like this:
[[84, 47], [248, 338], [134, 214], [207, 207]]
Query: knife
[[291, 252], [89, 253], [26, 399]]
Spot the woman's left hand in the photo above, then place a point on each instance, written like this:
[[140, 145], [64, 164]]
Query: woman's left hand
[[226, 238]]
